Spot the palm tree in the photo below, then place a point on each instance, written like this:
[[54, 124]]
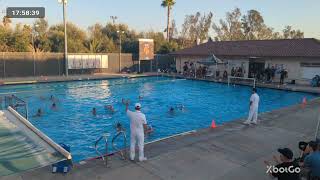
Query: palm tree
[[168, 4]]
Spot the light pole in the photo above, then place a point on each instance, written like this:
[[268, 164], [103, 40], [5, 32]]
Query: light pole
[[120, 48], [114, 18], [64, 4], [33, 48]]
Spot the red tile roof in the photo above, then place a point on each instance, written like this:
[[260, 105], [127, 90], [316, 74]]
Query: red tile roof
[[308, 47]]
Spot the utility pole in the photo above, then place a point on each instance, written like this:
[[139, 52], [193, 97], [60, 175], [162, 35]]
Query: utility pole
[[64, 4], [120, 48], [114, 18]]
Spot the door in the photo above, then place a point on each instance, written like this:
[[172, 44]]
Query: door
[[255, 67]]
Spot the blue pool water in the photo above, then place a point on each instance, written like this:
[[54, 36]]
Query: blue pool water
[[74, 124]]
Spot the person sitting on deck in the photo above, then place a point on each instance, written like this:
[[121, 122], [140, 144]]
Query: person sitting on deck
[[286, 156], [94, 111]]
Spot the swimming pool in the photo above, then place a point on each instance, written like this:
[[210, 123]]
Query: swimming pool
[[73, 124]]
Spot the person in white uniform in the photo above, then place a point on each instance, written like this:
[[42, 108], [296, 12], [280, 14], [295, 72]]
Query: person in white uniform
[[138, 124], [253, 110]]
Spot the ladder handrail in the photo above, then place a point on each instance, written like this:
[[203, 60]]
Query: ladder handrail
[[105, 137]]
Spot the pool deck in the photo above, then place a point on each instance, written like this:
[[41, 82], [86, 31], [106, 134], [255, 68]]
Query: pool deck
[[231, 151], [275, 85], [46, 79]]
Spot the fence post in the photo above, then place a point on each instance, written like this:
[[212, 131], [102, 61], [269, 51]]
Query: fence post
[[317, 129], [4, 66], [59, 66]]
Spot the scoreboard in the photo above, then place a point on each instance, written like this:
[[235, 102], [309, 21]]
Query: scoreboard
[[146, 49]]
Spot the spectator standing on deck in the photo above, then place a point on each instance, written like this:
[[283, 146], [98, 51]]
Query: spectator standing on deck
[[138, 125], [273, 73], [253, 108], [185, 69], [233, 72]]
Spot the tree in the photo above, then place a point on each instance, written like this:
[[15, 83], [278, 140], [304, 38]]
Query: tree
[[5, 38], [96, 38], [168, 47], [21, 39], [196, 27], [158, 38], [168, 4], [76, 38], [250, 26], [254, 27], [41, 40], [229, 29], [289, 33], [173, 30]]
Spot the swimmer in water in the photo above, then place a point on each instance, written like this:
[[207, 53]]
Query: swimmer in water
[[110, 108], [124, 102], [181, 107], [54, 106], [53, 99], [140, 98], [171, 111], [39, 113], [94, 111], [42, 98]]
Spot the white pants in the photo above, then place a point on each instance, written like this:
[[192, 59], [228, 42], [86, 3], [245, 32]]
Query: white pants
[[137, 136], [253, 115]]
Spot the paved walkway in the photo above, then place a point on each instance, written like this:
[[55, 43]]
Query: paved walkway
[[232, 151], [44, 79]]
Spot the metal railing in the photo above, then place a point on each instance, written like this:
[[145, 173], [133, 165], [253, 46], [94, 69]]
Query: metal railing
[[123, 153], [105, 138], [17, 104]]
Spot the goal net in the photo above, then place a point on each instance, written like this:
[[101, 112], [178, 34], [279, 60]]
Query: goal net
[[241, 80]]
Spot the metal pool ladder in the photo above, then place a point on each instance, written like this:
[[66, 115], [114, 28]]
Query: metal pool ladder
[[120, 132], [105, 138]]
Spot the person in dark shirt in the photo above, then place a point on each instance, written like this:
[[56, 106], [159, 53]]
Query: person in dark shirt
[[233, 72], [286, 169]]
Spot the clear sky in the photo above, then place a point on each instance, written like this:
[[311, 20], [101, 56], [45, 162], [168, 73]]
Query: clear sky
[[148, 14]]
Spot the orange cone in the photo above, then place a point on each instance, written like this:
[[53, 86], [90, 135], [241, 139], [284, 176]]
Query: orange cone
[[304, 102], [213, 124]]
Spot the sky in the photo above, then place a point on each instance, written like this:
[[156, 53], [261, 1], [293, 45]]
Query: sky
[[144, 15]]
